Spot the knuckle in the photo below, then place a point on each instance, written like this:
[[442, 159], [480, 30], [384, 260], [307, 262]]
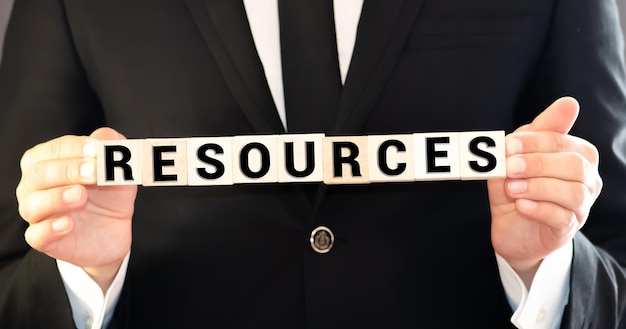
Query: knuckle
[[71, 171], [579, 165], [558, 141], [580, 193], [19, 190], [23, 210], [36, 173], [54, 149], [25, 161], [537, 162], [598, 186], [34, 239], [594, 155]]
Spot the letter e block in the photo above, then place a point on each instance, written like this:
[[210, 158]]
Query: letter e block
[[209, 161], [483, 155], [391, 158], [255, 159], [436, 156], [346, 160], [300, 158], [119, 162], [165, 162]]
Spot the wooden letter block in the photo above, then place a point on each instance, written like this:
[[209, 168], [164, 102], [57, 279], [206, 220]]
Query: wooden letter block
[[436, 156], [483, 155], [346, 160], [209, 161], [300, 158], [391, 158], [119, 162], [255, 159], [165, 162]]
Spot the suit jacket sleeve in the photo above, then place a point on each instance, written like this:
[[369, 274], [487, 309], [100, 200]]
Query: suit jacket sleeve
[[583, 57], [40, 82]]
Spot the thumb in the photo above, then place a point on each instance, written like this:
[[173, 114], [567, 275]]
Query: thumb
[[558, 117], [106, 133]]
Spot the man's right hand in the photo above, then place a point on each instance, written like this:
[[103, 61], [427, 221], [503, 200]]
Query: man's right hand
[[72, 219]]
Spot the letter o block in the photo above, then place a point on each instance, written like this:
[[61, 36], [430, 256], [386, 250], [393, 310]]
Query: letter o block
[[254, 159]]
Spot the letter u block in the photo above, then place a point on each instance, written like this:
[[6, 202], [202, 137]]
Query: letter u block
[[300, 158]]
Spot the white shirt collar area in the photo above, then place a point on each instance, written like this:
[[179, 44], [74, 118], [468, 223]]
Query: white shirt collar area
[[264, 25]]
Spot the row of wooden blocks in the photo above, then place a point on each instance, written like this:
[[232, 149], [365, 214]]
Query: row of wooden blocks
[[302, 158]]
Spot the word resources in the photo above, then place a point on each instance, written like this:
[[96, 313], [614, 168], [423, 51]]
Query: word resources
[[204, 161]]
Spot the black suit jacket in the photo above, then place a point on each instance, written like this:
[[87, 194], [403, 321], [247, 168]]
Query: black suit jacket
[[406, 255]]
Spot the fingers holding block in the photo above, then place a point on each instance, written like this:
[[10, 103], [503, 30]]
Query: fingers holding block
[[119, 162]]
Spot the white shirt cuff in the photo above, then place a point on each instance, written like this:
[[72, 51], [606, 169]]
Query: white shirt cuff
[[542, 307], [91, 309]]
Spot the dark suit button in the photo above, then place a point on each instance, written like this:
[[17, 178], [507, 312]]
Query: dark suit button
[[322, 239]]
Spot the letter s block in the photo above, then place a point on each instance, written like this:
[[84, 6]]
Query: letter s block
[[119, 162], [209, 161], [483, 155]]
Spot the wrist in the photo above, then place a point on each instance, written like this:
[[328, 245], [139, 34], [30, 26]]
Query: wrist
[[525, 269], [104, 275]]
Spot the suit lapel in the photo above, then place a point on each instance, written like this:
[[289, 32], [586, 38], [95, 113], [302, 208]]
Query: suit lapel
[[225, 28], [382, 32]]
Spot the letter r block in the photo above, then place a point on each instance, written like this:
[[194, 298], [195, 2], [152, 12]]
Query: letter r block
[[119, 162], [346, 160]]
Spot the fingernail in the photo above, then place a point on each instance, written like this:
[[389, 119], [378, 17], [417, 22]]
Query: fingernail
[[89, 149], [513, 145], [61, 224], [516, 165], [517, 186], [72, 194], [527, 204], [86, 170]]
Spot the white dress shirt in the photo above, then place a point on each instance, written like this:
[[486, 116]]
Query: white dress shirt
[[539, 308]]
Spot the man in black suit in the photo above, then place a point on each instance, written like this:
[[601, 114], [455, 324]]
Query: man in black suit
[[404, 255]]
